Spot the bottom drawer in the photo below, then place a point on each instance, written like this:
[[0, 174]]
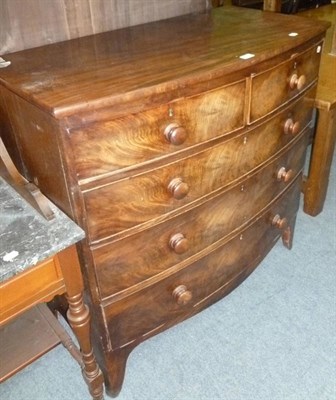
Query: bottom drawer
[[187, 291]]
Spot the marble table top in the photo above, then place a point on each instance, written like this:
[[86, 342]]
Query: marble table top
[[26, 238]]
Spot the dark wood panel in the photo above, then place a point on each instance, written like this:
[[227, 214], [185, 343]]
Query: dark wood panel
[[6, 130], [113, 145], [31, 23], [152, 250], [143, 312], [28, 136], [124, 204], [272, 88]]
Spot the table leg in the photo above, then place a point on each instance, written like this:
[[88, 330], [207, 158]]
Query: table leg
[[79, 320], [315, 189]]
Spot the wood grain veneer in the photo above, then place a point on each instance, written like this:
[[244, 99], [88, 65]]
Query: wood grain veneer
[[108, 146], [229, 211], [292, 76], [226, 266], [146, 196]]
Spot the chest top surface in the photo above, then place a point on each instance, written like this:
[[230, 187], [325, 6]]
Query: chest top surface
[[147, 60]]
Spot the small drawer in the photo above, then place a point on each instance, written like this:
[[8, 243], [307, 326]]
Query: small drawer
[[167, 244], [200, 284], [273, 88], [122, 205], [106, 147], [39, 283]]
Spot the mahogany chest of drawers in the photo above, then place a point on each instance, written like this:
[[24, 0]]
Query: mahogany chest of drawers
[[178, 146]]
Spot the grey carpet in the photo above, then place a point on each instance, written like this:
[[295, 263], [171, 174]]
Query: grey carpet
[[273, 338]]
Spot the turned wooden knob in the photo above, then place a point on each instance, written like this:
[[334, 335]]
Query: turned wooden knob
[[291, 127], [178, 188], [297, 82], [181, 295], [179, 243], [175, 134], [279, 222], [284, 175]]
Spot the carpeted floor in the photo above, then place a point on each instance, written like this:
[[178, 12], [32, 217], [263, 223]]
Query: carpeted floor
[[273, 338]]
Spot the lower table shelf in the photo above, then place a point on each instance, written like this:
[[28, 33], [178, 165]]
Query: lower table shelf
[[25, 339]]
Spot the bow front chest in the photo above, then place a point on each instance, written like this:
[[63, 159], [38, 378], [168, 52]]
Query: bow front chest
[[178, 146]]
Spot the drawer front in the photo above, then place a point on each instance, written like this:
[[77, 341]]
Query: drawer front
[[106, 147], [198, 285], [275, 87], [167, 244], [130, 202], [36, 284]]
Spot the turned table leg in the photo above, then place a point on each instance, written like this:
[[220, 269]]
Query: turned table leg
[[315, 188], [79, 320]]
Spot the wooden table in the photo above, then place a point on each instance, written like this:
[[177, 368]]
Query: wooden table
[[316, 185], [38, 260]]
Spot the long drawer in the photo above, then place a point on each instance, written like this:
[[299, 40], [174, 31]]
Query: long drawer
[[109, 146], [198, 285], [278, 85], [163, 246], [117, 206]]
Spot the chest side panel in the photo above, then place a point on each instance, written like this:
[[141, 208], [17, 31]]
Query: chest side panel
[[35, 143]]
